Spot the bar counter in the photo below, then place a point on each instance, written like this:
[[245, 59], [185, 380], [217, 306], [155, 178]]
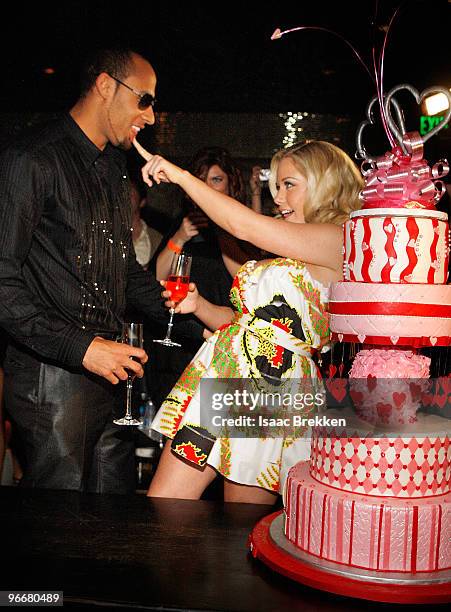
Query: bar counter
[[137, 552]]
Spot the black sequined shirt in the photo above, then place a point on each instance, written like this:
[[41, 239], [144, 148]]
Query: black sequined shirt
[[67, 263]]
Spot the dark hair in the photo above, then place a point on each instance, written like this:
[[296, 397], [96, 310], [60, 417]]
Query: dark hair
[[116, 61], [207, 157]]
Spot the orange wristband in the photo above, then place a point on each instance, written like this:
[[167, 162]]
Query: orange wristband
[[174, 247]]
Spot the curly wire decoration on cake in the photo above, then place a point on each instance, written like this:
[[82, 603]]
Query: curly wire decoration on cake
[[378, 63], [401, 176]]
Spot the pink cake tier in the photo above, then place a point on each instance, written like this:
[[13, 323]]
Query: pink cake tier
[[396, 245], [376, 533], [391, 465], [387, 385], [391, 314], [390, 363]]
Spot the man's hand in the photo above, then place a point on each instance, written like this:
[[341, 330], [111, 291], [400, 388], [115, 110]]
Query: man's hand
[[111, 360]]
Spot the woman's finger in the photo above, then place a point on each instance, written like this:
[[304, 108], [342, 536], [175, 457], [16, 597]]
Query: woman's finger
[[148, 170], [145, 175], [141, 150]]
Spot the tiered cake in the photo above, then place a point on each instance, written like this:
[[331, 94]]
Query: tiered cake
[[396, 254], [382, 501], [382, 504]]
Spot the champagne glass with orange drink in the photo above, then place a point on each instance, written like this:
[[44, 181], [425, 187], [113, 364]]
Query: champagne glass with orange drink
[[177, 283]]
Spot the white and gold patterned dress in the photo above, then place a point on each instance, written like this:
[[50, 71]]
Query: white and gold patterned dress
[[281, 320]]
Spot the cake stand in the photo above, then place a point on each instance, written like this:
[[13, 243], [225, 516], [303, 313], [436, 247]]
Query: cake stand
[[268, 543]]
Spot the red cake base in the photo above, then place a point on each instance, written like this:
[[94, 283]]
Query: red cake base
[[263, 547]]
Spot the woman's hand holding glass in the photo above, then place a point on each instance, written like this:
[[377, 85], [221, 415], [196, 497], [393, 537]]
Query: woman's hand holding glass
[[188, 305], [178, 283]]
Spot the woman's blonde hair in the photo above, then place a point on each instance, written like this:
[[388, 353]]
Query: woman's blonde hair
[[333, 180]]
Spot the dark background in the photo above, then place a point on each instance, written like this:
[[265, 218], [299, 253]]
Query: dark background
[[212, 56]]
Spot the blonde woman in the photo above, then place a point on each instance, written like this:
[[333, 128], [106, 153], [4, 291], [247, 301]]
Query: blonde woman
[[278, 322]]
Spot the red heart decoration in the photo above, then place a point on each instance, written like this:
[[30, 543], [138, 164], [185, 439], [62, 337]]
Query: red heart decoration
[[357, 396], [399, 399], [332, 370], [341, 367], [415, 391], [445, 383], [337, 388], [440, 400], [371, 382], [383, 410], [426, 399]]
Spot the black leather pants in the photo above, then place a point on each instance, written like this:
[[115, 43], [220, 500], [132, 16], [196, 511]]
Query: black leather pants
[[64, 425]]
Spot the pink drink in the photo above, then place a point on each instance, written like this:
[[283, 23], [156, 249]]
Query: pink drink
[[178, 286]]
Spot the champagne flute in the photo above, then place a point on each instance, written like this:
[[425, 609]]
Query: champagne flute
[[132, 334], [177, 283]]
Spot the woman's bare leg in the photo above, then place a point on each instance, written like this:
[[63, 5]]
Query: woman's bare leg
[[234, 492], [179, 479]]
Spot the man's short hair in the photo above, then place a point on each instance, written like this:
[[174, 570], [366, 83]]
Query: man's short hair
[[114, 61]]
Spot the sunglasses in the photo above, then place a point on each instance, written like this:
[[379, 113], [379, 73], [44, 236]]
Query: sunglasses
[[145, 99]]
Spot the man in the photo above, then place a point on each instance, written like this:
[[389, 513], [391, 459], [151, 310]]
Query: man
[[67, 270]]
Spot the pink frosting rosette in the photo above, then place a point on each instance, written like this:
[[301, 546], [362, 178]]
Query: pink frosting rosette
[[386, 385]]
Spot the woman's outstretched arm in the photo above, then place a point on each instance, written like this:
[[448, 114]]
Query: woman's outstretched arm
[[315, 243]]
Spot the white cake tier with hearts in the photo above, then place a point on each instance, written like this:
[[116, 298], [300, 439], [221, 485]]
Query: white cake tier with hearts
[[380, 534], [396, 245], [391, 314]]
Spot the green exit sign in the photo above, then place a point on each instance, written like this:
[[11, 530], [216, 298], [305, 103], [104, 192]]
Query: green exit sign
[[428, 123]]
